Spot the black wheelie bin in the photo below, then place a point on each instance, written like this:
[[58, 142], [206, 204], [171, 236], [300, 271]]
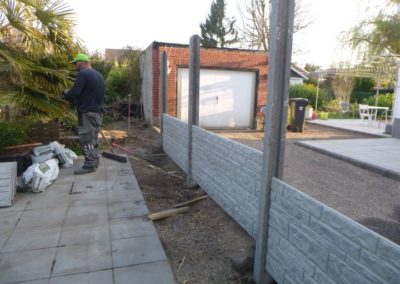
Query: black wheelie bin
[[297, 110]]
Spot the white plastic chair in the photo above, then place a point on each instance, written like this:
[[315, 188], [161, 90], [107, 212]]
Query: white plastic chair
[[365, 113], [345, 108]]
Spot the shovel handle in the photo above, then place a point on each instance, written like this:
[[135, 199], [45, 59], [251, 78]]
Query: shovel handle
[[108, 143]]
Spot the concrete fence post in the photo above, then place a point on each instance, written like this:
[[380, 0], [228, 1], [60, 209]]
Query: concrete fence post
[[163, 91], [193, 109], [396, 107], [281, 26]]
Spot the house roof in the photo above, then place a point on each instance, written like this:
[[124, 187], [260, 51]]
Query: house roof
[[299, 71], [169, 44]]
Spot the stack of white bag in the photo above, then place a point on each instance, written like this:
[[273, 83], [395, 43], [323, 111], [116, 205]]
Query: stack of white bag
[[44, 170]]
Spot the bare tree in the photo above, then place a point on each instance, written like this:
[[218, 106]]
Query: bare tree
[[342, 87], [255, 22]]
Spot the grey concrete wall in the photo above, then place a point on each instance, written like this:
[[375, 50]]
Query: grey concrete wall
[[175, 140], [230, 173], [146, 73], [309, 242]]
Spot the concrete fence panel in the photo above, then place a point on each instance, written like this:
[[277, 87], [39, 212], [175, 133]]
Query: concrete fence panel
[[175, 140], [308, 242], [230, 173]]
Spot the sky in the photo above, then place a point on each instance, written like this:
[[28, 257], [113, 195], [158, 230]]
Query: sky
[[119, 23]]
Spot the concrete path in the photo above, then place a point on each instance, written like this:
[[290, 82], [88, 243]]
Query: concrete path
[[381, 155], [84, 229]]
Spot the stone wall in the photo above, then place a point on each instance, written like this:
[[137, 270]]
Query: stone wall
[[308, 242]]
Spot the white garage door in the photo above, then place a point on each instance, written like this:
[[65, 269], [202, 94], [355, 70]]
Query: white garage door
[[226, 98]]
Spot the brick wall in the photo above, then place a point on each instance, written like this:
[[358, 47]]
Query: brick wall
[[231, 59], [309, 242]]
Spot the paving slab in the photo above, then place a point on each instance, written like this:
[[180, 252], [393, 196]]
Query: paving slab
[[118, 195], [49, 200], [9, 219], [127, 209], [42, 217], [26, 265], [85, 234], [89, 186], [20, 202], [137, 250], [381, 155], [97, 277], [5, 233], [354, 125], [87, 215], [131, 227], [157, 272], [41, 281], [88, 198], [82, 229], [74, 259], [35, 239]]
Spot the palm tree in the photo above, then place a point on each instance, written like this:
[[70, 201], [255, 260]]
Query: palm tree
[[36, 43]]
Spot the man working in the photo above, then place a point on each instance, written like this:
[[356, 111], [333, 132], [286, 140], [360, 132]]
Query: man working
[[88, 94]]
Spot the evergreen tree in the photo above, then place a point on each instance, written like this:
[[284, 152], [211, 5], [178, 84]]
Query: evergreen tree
[[218, 30]]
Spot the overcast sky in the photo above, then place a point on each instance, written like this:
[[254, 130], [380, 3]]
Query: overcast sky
[[118, 23]]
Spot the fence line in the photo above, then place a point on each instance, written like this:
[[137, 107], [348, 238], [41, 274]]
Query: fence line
[[308, 242]]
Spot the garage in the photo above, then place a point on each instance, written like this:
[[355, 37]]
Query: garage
[[227, 97]]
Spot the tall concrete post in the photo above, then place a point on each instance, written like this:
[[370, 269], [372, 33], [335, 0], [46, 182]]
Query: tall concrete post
[[163, 90], [396, 106], [194, 87], [281, 27]]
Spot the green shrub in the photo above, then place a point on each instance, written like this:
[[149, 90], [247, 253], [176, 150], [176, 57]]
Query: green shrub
[[385, 100], [309, 91], [74, 146], [364, 84], [117, 85], [332, 106], [360, 96], [12, 133]]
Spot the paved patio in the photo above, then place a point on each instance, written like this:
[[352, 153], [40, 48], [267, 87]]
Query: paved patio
[[84, 229], [354, 125], [381, 155]]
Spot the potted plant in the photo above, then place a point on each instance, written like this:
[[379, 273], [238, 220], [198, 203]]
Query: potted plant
[[323, 115]]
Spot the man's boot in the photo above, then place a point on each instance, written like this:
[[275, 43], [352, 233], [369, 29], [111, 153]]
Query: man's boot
[[84, 170]]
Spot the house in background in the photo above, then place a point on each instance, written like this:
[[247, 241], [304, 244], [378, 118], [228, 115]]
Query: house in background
[[111, 55], [297, 75], [233, 85]]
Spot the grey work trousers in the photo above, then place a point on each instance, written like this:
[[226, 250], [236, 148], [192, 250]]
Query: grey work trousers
[[88, 131]]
